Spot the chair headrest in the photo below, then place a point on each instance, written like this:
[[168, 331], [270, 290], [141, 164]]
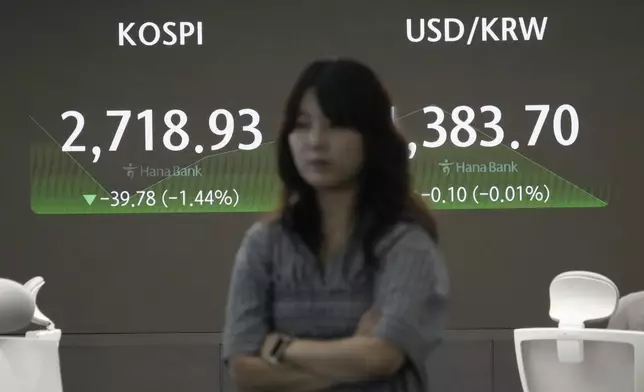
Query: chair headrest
[[33, 286], [577, 297], [16, 306]]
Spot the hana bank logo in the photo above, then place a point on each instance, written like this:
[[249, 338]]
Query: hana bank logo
[[486, 167], [147, 171], [446, 166]]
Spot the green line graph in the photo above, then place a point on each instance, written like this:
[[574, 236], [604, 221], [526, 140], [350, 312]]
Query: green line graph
[[493, 178], [449, 178]]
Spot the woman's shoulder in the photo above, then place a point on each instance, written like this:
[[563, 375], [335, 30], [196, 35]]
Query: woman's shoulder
[[265, 230], [257, 245]]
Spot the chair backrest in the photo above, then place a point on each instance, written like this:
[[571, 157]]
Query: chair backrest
[[30, 364], [613, 360], [572, 358]]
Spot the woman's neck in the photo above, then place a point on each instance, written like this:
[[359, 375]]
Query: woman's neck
[[337, 208]]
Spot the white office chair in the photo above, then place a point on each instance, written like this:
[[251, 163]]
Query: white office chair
[[30, 363], [572, 358]]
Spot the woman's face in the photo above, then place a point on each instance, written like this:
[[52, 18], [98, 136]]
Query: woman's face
[[326, 156]]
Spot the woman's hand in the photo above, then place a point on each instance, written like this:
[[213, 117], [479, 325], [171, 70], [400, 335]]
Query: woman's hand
[[368, 320]]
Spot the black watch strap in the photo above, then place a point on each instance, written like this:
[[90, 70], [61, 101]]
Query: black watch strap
[[280, 347]]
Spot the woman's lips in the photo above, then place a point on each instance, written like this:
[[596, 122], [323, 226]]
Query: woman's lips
[[319, 163]]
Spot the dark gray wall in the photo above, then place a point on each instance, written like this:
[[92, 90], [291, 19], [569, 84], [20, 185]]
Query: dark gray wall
[[140, 298], [468, 361]]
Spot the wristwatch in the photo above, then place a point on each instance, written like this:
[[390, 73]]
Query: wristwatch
[[276, 353]]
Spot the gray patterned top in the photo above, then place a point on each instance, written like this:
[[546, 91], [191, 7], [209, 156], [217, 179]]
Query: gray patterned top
[[277, 284]]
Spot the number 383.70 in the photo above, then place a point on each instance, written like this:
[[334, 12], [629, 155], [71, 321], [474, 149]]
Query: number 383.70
[[463, 134]]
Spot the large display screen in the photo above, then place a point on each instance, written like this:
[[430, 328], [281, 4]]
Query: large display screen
[[177, 112]]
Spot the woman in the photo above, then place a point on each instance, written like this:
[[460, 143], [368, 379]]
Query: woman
[[345, 289]]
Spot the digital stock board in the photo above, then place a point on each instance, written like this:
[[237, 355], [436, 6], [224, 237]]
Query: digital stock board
[[177, 112]]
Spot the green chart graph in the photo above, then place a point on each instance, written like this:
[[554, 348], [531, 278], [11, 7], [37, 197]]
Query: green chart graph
[[449, 178]]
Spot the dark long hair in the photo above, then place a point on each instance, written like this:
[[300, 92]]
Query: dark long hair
[[350, 94]]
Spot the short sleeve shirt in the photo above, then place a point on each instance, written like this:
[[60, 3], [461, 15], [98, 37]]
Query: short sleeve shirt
[[278, 285]]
